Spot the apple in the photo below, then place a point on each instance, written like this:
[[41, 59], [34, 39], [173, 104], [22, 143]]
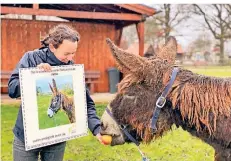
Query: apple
[[106, 139]]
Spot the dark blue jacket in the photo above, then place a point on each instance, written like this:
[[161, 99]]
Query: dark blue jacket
[[32, 59]]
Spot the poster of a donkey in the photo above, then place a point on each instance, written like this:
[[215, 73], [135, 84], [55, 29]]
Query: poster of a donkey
[[55, 104], [199, 104]]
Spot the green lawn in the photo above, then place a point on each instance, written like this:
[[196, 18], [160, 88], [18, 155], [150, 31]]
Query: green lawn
[[176, 145], [218, 71]]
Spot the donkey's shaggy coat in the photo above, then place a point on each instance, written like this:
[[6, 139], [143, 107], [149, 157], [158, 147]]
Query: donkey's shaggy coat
[[200, 104]]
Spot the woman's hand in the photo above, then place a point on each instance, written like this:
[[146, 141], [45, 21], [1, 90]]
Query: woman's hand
[[45, 66], [99, 137]]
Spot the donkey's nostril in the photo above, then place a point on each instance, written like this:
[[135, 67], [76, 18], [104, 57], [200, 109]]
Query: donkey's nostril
[[101, 124], [103, 127]]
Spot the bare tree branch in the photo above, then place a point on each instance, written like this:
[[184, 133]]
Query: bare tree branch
[[207, 21], [179, 21], [218, 23], [171, 17], [174, 18], [227, 20], [160, 19]]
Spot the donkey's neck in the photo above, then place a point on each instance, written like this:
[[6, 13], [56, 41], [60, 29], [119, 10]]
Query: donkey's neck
[[68, 107], [201, 106], [221, 144], [173, 116]]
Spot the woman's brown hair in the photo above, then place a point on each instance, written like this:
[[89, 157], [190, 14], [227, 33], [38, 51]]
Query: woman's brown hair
[[58, 34]]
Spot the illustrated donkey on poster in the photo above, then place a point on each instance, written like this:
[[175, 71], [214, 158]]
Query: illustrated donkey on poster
[[61, 101]]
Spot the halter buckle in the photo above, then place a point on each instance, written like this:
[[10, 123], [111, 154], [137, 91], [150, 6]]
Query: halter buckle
[[153, 130], [122, 127], [161, 102]]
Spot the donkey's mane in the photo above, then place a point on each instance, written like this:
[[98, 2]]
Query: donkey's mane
[[68, 105], [67, 100], [201, 99]]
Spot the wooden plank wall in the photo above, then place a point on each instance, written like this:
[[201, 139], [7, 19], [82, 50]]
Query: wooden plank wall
[[19, 36]]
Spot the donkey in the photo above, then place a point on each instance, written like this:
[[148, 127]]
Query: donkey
[[61, 101], [199, 104]]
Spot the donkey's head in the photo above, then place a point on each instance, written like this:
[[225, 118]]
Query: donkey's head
[[56, 100], [143, 83]]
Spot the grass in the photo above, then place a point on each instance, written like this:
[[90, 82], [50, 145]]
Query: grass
[[175, 145], [60, 118], [217, 71]]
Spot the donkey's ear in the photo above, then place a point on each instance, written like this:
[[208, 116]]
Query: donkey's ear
[[54, 85], [127, 62], [168, 51], [51, 88]]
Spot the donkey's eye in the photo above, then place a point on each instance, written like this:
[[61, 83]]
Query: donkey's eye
[[129, 96]]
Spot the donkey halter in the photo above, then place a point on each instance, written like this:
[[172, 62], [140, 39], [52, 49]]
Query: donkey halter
[[55, 110]]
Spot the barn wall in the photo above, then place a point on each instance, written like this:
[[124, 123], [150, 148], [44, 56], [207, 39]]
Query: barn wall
[[19, 36]]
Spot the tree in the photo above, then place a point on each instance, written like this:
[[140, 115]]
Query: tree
[[170, 17], [202, 43], [218, 21], [161, 25], [151, 32], [38, 90]]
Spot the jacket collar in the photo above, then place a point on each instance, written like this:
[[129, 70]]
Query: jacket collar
[[52, 59]]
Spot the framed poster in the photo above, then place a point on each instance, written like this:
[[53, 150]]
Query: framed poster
[[53, 105]]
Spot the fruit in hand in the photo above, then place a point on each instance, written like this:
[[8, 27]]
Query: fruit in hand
[[106, 139]]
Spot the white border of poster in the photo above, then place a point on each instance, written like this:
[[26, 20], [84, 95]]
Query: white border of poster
[[36, 112]]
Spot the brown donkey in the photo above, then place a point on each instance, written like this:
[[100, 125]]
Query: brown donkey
[[61, 101], [199, 104]]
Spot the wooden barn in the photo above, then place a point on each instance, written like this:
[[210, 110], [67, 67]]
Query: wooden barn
[[94, 22]]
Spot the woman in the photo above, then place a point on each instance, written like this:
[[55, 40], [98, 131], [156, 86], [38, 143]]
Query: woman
[[59, 48]]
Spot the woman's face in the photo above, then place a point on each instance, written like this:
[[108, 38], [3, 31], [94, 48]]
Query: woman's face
[[66, 51]]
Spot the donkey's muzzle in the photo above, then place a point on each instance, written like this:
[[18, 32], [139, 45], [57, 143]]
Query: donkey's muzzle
[[50, 113]]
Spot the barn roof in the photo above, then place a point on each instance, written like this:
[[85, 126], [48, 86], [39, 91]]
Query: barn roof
[[124, 14]]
